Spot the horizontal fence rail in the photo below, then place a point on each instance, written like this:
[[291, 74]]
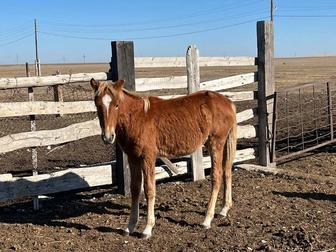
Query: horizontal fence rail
[[177, 82], [24, 82], [246, 115], [144, 62], [150, 84], [9, 109], [229, 82], [233, 96], [29, 139]]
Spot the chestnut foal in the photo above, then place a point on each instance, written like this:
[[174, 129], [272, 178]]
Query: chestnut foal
[[149, 127]]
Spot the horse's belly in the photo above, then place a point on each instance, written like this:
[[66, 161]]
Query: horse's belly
[[182, 133], [181, 144]]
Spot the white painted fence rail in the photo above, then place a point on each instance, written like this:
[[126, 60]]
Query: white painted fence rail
[[177, 82], [233, 96], [229, 82], [144, 62], [70, 179], [150, 84], [29, 139], [9, 109], [24, 82]]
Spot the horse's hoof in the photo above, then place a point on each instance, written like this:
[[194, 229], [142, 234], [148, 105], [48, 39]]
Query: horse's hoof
[[145, 236], [126, 232], [206, 225], [224, 212]]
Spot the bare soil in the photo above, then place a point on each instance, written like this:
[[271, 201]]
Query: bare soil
[[270, 213]]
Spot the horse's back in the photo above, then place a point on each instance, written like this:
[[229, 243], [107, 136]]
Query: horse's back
[[182, 124]]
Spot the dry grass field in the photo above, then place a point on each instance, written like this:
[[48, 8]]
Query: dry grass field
[[288, 71]]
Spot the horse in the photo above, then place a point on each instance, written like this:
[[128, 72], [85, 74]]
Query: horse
[[147, 127]]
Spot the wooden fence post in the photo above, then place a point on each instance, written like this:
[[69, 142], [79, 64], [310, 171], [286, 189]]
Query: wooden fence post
[[58, 91], [122, 67], [33, 128], [266, 88], [193, 79]]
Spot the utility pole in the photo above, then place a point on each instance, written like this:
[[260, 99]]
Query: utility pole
[[272, 10], [37, 61]]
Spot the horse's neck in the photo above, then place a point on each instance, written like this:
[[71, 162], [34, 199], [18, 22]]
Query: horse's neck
[[129, 109]]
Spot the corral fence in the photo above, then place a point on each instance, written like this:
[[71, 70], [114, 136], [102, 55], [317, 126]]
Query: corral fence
[[123, 64], [304, 119]]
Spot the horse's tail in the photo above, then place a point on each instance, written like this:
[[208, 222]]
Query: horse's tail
[[228, 158], [230, 146]]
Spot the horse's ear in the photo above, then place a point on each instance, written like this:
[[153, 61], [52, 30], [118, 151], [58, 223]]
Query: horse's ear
[[118, 85], [94, 84]]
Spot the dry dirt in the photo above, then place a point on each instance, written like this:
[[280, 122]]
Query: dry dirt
[[270, 213]]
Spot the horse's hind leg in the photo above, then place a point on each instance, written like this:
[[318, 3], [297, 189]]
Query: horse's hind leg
[[149, 184], [227, 197], [136, 180], [216, 152], [229, 155]]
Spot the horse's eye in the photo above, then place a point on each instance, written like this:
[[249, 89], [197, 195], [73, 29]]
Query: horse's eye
[[116, 106]]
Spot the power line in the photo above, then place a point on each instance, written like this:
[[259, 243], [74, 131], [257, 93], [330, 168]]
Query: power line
[[156, 36], [193, 15], [8, 34], [16, 40], [306, 16], [246, 14]]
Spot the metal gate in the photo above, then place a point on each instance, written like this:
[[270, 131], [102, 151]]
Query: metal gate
[[304, 119]]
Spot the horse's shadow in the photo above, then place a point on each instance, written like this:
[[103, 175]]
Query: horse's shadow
[[307, 195], [62, 206]]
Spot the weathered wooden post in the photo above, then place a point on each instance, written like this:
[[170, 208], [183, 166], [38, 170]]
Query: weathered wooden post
[[122, 67], [33, 128], [58, 92], [193, 79], [266, 88]]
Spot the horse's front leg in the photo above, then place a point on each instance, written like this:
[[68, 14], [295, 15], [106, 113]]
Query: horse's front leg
[[136, 180], [149, 184]]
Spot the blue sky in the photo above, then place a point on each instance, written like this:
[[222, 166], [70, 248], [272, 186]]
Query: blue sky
[[68, 30]]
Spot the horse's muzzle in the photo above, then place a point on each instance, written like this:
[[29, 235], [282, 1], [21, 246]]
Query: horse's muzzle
[[109, 139]]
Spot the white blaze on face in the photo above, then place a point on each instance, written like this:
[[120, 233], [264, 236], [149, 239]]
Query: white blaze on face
[[106, 101]]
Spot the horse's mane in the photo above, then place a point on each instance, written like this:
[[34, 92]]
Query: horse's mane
[[135, 95], [106, 85]]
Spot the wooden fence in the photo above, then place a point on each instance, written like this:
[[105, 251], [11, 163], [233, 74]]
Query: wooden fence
[[123, 64]]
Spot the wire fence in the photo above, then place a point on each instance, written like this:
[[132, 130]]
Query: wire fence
[[305, 119]]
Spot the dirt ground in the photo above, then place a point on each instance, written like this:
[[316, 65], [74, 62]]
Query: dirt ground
[[270, 213]]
